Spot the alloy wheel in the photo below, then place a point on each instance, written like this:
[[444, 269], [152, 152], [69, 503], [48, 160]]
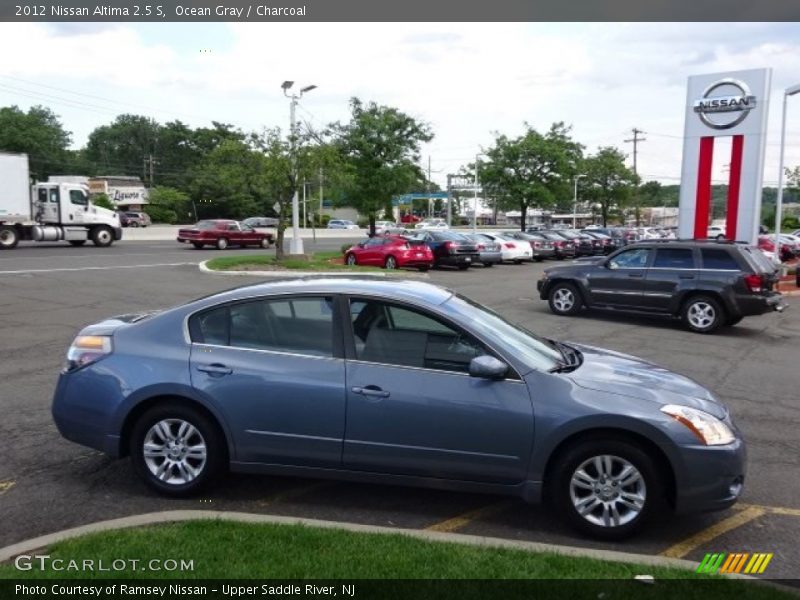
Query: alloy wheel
[[701, 315], [608, 491], [174, 451]]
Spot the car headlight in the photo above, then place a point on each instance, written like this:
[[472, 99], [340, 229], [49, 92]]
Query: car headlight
[[85, 350], [709, 429]]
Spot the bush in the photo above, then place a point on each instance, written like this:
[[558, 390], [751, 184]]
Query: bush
[[346, 247], [103, 201], [160, 214], [363, 223]]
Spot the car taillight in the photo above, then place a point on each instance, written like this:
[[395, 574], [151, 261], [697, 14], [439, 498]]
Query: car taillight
[[536, 244], [481, 247], [85, 350], [510, 245], [754, 283], [558, 244], [449, 246]]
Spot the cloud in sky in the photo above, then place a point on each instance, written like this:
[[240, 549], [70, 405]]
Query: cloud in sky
[[467, 79]]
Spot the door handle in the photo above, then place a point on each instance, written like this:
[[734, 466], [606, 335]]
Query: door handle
[[637, 275], [686, 276], [370, 390], [215, 369]]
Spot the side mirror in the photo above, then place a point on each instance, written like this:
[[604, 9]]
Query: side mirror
[[610, 265], [487, 367], [360, 244]]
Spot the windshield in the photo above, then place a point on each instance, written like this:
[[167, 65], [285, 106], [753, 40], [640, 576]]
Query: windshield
[[536, 352]]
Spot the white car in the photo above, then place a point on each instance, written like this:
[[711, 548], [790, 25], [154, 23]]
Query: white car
[[341, 224], [715, 232], [382, 226], [512, 250], [648, 233], [432, 224]]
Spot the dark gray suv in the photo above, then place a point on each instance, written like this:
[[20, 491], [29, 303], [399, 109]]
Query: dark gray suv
[[707, 284]]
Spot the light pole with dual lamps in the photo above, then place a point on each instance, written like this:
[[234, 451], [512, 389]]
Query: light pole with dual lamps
[[790, 91], [296, 245]]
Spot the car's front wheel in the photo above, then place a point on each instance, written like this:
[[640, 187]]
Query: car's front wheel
[[564, 299], [606, 488], [351, 260], [265, 242], [391, 262], [176, 449], [703, 314]]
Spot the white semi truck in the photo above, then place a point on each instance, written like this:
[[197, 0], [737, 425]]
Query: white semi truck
[[49, 212]]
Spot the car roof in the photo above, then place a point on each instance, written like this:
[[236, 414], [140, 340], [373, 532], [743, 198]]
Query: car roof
[[404, 289]]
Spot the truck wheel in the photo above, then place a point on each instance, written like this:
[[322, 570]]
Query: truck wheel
[[222, 243], [9, 238], [77, 242], [102, 236]]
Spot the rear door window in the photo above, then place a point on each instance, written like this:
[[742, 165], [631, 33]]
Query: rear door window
[[674, 258], [715, 258]]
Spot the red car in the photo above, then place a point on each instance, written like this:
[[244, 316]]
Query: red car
[[767, 242], [222, 233], [392, 252]]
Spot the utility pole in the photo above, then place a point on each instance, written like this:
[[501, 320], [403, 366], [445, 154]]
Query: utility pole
[[635, 141], [428, 189], [475, 199], [149, 164], [449, 203]]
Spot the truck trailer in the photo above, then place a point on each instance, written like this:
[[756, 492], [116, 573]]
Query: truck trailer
[[49, 212]]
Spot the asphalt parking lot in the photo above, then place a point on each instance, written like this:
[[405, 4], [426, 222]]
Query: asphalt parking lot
[[48, 484]]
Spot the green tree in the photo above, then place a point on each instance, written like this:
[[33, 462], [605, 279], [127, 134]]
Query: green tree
[[169, 205], [608, 181], [530, 171], [380, 147], [278, 179], [39, 134], [103, 201], [120, 148]]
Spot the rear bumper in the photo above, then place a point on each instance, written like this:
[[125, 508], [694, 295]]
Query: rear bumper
[[490, 258], [751, 304], [458, 259]]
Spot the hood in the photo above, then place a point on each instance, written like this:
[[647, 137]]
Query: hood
[[110, 325], [616, 373]]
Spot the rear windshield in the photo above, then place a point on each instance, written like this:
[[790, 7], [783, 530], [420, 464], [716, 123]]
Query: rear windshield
[[757, 260], [206, 225], [450, 235]]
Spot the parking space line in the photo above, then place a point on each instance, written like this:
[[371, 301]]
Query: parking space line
[[6, 485], [743, 517], [463, 520], [293, 493], [114, 268], [775, 510]]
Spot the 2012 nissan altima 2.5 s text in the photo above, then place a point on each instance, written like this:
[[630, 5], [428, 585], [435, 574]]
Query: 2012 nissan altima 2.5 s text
[[396, 382]]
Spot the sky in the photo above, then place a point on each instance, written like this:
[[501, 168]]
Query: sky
[[469, 81]]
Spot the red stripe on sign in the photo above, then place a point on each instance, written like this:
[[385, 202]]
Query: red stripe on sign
[[703, 202], [734, 182]]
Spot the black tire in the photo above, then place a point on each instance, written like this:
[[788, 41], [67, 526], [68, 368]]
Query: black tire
[[197, 245], [216, 459], [703, 314], [391, 263], [463, 267], [222, 243], [77, 242], [517, 262], [350, 259], [423, 269], [265, 242], [538, 258], [564, 299], [733, 321], [648, 489], [134, 224], [102, 236], [9, 237], [488, 265]]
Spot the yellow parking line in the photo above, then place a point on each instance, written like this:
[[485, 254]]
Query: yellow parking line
[[463, 520], [683, 548], [6, 485], [295, 492], [775, 510]]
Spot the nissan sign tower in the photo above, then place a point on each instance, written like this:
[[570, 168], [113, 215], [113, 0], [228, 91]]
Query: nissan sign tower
[[731, 104]]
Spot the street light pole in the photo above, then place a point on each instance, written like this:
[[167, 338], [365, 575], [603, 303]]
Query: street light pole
[[475, 199], [575, 203], [790, 91], [296, 245]]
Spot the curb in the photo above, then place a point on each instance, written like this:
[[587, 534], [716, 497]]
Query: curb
[[300, 273], [174, 516]]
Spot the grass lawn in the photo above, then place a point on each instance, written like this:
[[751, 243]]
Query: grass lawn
[[320, 261], [227, 550]]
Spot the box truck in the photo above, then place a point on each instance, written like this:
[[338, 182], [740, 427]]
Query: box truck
[[49, 212]]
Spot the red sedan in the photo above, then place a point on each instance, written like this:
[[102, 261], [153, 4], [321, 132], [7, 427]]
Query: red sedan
[[767, 242], [222, 233], [391, 252]]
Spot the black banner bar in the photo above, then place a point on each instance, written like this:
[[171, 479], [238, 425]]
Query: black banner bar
[[190, 11]]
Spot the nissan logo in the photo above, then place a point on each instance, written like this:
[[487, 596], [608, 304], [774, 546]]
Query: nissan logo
[[727, 109]]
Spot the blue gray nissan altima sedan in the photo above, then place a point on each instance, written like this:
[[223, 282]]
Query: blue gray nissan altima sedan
[[397, 382]]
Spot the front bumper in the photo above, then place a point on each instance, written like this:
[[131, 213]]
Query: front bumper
[[712, 477], [117, 233]]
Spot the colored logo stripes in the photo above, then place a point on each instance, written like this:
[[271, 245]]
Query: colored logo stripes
[[737, 562]]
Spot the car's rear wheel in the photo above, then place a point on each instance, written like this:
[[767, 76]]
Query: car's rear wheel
[[564, 299], [265, 242], [463, 267], [488, 264], [606, 488], [391, 262], [176, 449], [351, 260], [197, 245], [134, 224], [222, 243], [424, 269], [703, 314]]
